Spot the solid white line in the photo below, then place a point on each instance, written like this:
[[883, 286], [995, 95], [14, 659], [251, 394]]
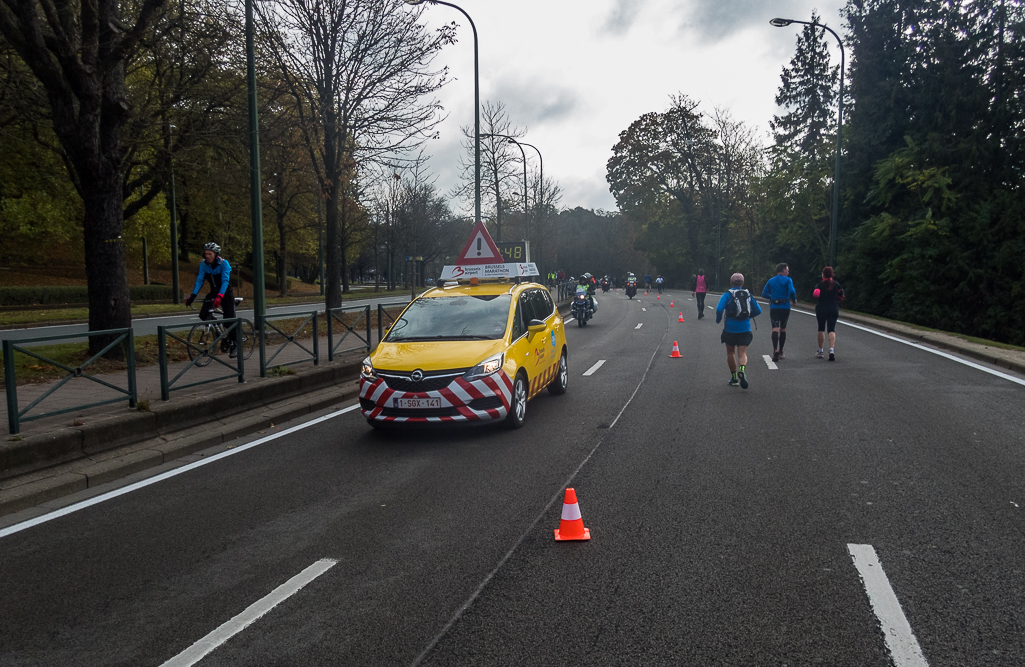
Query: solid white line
[[64, 511], [570, 320], [769, 362], [204, 646], [904, 648], [639, 325], [945, 355], [592, 369]]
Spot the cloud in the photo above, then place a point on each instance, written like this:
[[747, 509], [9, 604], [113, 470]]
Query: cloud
[[533, 103], [590, 192], [713, 20], [621, 18]]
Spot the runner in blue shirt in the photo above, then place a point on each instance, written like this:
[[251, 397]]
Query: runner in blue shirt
[[781, 293], [736, 333]]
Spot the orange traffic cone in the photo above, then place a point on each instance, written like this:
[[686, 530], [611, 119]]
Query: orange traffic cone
[[670, 303], [681, 318], [572, 525], [658, 298], [645, 292], [676, 351]]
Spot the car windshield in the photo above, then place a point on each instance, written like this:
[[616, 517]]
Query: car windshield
[[453, 318]]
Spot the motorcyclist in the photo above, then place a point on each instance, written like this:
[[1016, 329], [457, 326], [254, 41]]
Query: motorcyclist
[[587, 281]]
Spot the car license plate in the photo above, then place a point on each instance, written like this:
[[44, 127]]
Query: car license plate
[[416, 403]]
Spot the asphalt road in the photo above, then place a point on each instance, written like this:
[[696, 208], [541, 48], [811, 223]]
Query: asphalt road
[[147, 326], [723, 523]]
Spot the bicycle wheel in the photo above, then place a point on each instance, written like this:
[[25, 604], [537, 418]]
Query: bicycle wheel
[[248, 339], [200, 337]]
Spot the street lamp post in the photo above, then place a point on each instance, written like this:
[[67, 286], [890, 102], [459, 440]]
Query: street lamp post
[[538, 193], [782, 23], [476, 103], [255, 184]]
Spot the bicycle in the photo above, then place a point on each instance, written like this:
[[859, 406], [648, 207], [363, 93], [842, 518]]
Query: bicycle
[[201, 335]]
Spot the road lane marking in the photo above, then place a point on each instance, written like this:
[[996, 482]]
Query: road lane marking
[[644, 310], [639, 325], [570, 320], [64, 511], [904, 648], [592, 369], [252, 613], [769, 362], [945, 355]]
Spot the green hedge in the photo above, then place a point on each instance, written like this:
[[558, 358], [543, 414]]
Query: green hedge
[[44, 296]]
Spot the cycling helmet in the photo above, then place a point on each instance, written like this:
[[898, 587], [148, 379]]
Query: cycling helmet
[[213, 246]]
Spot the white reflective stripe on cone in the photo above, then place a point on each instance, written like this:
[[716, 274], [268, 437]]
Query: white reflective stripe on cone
[[570, 512]]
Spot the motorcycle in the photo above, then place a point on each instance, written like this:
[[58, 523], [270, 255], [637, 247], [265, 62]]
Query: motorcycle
[[583, 307], [604, 286], [631, 290]]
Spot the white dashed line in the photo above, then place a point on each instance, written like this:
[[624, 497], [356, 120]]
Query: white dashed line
[[570, 320], [904, 648], [204, 646], [592, 369], [641, 324], [644, 309], [769, 362]]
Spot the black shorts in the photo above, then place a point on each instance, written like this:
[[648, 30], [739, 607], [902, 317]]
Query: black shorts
[[779, 317], [827, 319], [737, 339]]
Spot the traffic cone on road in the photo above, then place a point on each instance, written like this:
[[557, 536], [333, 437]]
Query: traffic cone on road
[[658, 298], [681, 318], [670, 303], [676, 351], [645, 292], [572, 525]]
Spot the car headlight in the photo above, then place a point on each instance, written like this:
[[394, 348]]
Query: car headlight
[[489, 366], [367, 370]]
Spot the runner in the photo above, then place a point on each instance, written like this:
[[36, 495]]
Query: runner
[[698, 290], [829, 294], [780, 293], [739, 308]]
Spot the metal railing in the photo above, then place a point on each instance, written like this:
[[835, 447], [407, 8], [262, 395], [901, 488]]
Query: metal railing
[[564, 291], [338, 315], [16, 416], [201, 353], [382, 313], [289, 339]]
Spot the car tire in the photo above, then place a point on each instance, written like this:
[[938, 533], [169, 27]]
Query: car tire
[[558, 386], [518, 403]]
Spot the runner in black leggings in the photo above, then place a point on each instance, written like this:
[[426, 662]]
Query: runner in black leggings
[[829, 294]]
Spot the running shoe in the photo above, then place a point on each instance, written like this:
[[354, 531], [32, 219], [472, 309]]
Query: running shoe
[[733, 383], [832, 357], [781, 355], [743, 379], [775, 355], [819, 355]]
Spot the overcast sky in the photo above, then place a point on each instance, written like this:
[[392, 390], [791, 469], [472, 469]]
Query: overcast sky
[[576, 73]]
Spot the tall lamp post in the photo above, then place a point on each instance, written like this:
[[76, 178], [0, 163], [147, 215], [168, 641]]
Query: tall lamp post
[[782, 23], [255, 185], [538, 193], [512, 140], [476, 103]]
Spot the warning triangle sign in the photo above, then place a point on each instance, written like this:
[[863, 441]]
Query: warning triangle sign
[[480, 249]]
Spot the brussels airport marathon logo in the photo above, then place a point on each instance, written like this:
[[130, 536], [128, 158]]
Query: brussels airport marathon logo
[[481, 258], [539, 355]]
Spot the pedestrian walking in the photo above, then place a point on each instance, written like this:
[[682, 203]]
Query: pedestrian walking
[[780, 292], [699, 289], [739, 308], [828, 294]]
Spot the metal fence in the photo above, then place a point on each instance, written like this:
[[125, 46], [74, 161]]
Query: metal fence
[[288, 339], [338, 315], [201, 352], [15, 416], [564, 291]]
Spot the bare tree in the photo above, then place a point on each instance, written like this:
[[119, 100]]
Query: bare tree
[[79, 52], [498, 162], [360, 76]]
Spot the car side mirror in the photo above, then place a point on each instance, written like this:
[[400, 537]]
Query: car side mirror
[[535, 326]]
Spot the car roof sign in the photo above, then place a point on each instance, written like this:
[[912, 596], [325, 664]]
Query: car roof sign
[[482, 259], [480, 248]]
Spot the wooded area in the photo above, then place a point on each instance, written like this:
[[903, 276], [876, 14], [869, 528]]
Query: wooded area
[[932, 223]]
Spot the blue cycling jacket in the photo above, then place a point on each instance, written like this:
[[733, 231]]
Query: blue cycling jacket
[[780, 287], [218, 274], [732, 325]]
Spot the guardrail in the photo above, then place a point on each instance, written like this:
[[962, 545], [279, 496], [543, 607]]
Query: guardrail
[[382, 312], [289, 339], [16, 416], [337, 315], [201, 351]]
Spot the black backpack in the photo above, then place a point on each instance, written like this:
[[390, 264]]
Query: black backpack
[[738, 307]]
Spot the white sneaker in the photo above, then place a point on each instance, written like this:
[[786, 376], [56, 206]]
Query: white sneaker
[[819, 355]]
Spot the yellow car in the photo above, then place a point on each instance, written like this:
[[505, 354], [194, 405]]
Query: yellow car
[[467, 352]]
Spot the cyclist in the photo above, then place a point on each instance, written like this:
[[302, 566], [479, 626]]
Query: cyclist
[[780, 293], [215, 270]]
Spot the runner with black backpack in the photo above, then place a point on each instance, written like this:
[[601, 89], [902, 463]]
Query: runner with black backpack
[[739, 308]]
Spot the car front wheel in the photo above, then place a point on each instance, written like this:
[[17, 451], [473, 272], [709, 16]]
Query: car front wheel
[[518, 404], [561, 381]]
